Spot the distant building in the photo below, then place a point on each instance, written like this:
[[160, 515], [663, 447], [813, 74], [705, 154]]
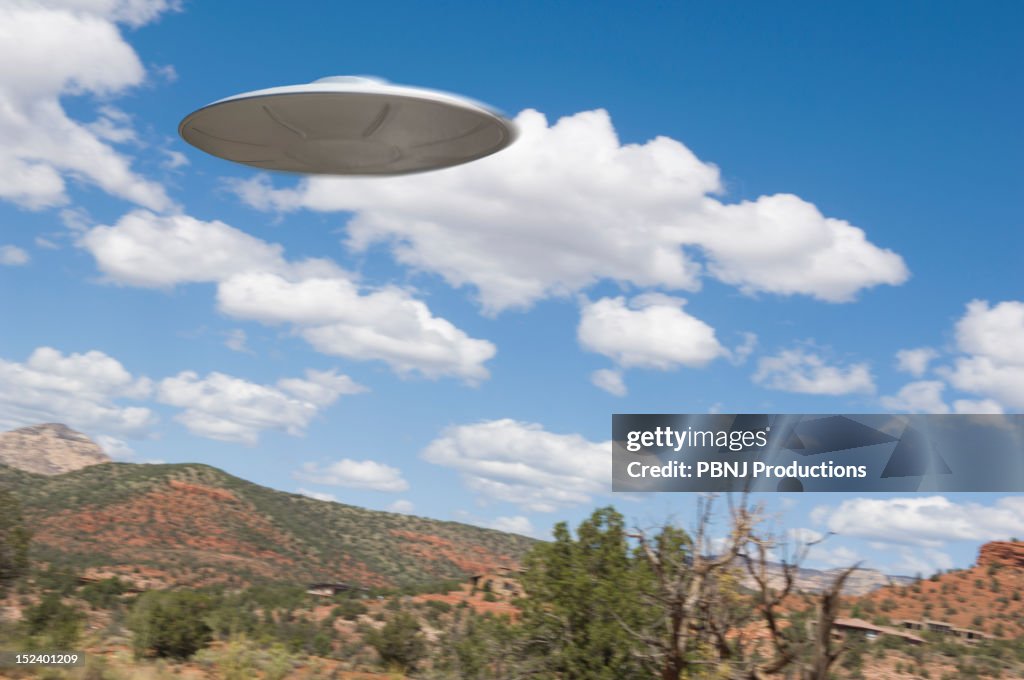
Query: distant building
[[944, 628], [328, 589], [871, 631], [503, 582]]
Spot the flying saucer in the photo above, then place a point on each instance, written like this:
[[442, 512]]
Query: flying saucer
[[347, 125]]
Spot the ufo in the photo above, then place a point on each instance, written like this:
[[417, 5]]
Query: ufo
[[348, 125]]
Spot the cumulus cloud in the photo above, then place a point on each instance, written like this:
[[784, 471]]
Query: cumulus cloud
[[385, 324], [116, 448], [978, 406], [782, 244], [993, 365], [610, 381], [401, 506], [152, 251], [742, 351], [13, 256], [927, 521], [651, 331], [923, 396], [355, 474], [227, 408], [568, 204], [51, 49], [237, 341], [915, 361], [517, 524], [798, 370], [317, 495], [322, 303], [921, 561], [522, 463], [85, 391]]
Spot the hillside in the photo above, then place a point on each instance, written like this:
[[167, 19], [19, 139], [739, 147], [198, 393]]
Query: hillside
[[192, 524], [988, 597]]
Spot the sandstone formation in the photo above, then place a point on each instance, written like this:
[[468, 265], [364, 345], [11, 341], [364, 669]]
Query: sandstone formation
[[49, 449], [1002, 553]]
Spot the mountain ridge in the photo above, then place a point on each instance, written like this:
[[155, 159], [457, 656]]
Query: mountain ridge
[[191, 524]]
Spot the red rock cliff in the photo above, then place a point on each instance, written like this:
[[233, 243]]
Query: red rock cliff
[[1005, 553]]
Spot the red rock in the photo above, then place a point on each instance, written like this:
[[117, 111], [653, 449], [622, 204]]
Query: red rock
[[1002, 553]]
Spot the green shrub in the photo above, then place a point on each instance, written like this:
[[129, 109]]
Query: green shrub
[[350, 610], [53, 624], [170, 623], [14, 540], [104, 594], [400, 642]]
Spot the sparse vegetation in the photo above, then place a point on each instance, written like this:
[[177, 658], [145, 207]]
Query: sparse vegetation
[[14, 541], [399, 643], [279, 536], [596, 605], [170, 624]]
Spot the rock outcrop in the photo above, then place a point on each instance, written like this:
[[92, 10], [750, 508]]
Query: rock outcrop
[[1002, 553], [49, 449]]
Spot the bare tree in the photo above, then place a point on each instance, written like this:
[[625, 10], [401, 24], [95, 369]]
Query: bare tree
[[688, 576], [811, 651], [704, 619]]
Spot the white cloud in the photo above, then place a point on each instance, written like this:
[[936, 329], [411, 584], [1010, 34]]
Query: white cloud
[[989, 406], [81, 390], [356, 474], [321, 388], [568, 205], [223, 407], [838, 556], [783, 244], [524, 464], [168, 73], [923, 561], [915, 361], [385, 324], [151, 251], [927, 521], [797, 370], [174, 160], [742, 351], [237, 341], [116, 448], [52, 49], [317, 495], [114, 126], [801, 536], [923, 396], [991, 337], [653, 331], [324, 304], [517, 524], [401, 506], [610, 381], [132, 12], [13, 256]]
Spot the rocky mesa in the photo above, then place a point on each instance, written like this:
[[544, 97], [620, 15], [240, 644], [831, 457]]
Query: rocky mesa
[[49, 449], [1002, 553]]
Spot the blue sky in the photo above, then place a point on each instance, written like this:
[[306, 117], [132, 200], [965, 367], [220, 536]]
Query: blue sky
[[714, 206]]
